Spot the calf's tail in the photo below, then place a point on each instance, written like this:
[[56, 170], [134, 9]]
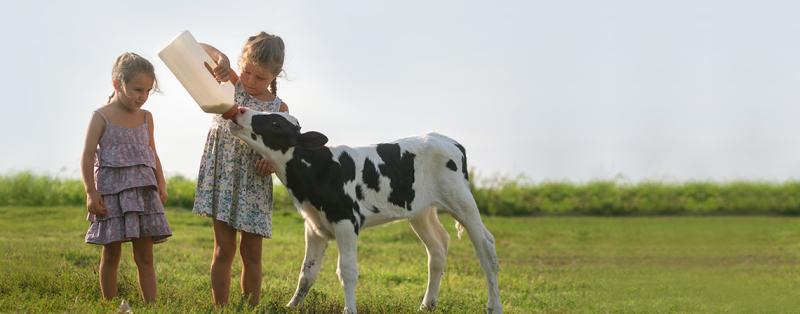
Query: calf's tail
[[459, 229]]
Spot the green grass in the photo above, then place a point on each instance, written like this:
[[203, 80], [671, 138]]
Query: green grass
[[567, 264]]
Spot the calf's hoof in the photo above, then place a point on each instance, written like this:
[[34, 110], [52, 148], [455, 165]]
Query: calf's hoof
[[293, 303], [427, 307]]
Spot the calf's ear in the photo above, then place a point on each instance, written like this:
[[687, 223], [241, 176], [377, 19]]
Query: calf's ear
[[311, 140]]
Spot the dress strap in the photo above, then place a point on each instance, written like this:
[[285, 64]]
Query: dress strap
[[102, 116]]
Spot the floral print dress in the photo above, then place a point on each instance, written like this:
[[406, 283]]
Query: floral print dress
[[229, 188]]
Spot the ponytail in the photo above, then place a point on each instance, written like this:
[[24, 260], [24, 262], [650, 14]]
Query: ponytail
[[273, 87]]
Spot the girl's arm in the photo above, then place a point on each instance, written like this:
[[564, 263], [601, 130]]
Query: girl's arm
[[162, 184], [94, 201], [222, 70]]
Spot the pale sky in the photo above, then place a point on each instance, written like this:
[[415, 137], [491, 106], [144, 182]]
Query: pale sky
[[553, 90]]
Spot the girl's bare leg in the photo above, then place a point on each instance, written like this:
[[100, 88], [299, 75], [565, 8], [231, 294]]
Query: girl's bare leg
[[224, 252], [109, 267], [143, 255], [250, 249]]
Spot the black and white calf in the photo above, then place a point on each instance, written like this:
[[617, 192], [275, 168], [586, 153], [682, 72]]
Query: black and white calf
[[341, 190]]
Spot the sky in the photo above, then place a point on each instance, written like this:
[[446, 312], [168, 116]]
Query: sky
[[548, 90]]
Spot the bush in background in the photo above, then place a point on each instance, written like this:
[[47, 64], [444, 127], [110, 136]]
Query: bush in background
[[513, 197], [496, 196]]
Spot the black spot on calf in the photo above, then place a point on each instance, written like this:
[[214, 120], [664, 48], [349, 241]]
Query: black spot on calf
[[359, 193], [370, 176], [463, 160], [348, 167], [452, 165], [362, 221], [399, 168], [321, 183]]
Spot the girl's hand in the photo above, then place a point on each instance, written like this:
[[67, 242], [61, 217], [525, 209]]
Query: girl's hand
[[231, 113], [95, 204], [162, 193], [222, 71], [264, 167]]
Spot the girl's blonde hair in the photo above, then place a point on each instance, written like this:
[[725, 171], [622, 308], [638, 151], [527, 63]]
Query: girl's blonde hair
[[128, 65], [265, 50]]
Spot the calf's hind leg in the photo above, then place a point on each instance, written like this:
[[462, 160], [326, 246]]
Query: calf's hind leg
[[462, 206], [430, 231]]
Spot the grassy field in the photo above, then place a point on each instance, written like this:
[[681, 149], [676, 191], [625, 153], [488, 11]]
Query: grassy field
[[559, 264]]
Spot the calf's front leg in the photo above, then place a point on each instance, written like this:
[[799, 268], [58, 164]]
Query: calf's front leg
[[315, 250], [347, 268]]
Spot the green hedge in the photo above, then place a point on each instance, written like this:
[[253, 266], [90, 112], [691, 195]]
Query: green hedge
[[609, 198], [29, 189], [502, 197]]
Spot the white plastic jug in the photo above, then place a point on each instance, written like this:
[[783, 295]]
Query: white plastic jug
[[185, 58]]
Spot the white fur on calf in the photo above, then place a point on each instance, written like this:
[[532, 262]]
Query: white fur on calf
[[341, 190]]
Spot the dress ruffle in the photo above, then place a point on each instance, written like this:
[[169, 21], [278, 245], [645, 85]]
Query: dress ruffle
[[112, 180], [131, 214], [134, 154]]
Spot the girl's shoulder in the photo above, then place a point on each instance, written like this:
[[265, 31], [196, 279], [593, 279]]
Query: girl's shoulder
[[148, 118], [103, 113], [103, 109], [99, 120], [107, 111]]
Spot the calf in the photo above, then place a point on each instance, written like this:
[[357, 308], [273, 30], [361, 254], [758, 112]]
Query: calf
[[341, 190]]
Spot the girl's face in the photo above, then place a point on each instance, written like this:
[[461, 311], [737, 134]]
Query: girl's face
[[135, 93], [255, 79]]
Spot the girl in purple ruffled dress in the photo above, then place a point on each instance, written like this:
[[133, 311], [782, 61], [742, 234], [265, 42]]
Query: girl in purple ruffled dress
[[125, 186]]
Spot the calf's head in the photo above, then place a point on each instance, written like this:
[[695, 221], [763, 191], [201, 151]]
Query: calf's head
[[269, 132]]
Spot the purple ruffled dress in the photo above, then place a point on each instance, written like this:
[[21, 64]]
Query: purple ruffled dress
[[125, 177]]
